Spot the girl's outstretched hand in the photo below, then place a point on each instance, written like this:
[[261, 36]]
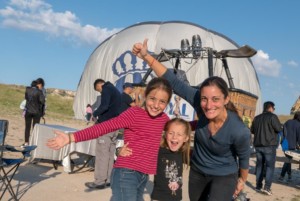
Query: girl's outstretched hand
[[125, 150], [140, 50], [59, 141]]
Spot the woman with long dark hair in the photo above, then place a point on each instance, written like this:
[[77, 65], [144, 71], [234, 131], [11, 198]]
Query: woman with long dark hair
[[35, 100]]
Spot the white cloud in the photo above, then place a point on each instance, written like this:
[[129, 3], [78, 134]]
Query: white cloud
[[31, 4], [291, 85], [265, 66], [292, 63], [37, 15]]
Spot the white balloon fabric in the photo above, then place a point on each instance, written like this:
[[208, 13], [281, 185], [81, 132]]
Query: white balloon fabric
[[113, 61]]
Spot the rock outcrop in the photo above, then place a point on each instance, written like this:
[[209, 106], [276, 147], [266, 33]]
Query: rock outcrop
[[61, 92], [296, 106]]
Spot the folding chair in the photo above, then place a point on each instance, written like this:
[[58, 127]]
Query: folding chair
[[9, 166]]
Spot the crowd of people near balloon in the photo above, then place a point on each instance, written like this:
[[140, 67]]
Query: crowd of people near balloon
[[156, 145]]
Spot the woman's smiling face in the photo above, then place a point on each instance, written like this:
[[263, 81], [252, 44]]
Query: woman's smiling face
[[213, 101]]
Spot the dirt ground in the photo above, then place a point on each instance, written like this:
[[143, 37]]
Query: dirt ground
[[42, 182]]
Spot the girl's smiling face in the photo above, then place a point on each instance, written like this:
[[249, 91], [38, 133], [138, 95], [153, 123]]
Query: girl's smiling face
[[156, 102], [176, 136]]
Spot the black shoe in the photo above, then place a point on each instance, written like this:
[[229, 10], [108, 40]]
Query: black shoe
[[257, 189], [107, 184], [267, 191], [92, 185]]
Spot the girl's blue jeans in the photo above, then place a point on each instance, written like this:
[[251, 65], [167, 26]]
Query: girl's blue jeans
[[127, 184]]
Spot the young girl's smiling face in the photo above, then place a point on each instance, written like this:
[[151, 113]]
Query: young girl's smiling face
[[156, 102], [176, 136]]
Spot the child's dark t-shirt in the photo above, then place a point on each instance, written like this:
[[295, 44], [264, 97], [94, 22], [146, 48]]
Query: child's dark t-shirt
[[169, 169]]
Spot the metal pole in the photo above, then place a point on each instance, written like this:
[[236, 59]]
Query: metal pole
[[228, 74], [210, 62], [146, 76]]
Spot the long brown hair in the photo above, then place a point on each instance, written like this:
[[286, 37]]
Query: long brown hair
[[186, 147]]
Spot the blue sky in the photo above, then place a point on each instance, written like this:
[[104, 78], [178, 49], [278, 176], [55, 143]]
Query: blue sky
[[53, 39]]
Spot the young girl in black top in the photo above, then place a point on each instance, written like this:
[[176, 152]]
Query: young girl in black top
[[174, 153]]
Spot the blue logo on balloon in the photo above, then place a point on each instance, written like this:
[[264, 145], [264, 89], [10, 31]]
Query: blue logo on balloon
[[122, 68]]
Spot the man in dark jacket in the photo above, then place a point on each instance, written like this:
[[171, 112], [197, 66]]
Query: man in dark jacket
[[265, 128], [110, 101], [106, 145], [34, 108]]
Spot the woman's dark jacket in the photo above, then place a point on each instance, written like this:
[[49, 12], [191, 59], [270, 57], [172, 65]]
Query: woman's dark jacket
[[35, 100]]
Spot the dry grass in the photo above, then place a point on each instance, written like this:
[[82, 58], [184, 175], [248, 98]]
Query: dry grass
[[284, 118], [58, 107]]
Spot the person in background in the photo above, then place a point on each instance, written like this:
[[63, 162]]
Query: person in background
[[220, 159], [291, 131], [126, 100], [143, 127], [88, 113], [41, 85], [265, 128], [106, 144], [35, 101]]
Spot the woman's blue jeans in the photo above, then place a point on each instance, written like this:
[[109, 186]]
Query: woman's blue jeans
[[127, 184]]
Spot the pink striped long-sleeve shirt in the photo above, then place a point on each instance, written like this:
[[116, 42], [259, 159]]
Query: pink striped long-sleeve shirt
[[142, 131]]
